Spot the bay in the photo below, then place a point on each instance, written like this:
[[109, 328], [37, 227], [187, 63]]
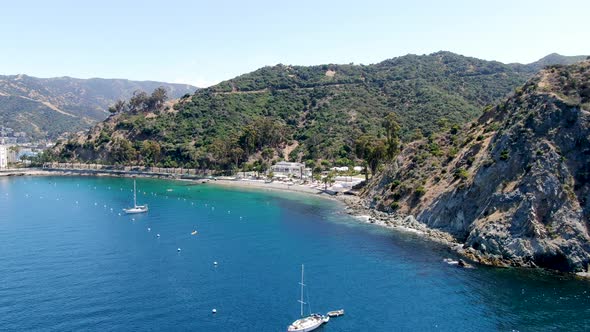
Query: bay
[[71, 260]]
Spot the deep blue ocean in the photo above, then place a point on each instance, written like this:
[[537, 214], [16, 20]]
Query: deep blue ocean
[[71, 261]]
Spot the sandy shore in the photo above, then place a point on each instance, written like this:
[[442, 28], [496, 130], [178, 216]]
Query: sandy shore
[[256, 184], [23, 172]]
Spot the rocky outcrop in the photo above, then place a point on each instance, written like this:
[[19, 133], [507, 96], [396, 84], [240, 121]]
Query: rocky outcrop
[[513, 187]]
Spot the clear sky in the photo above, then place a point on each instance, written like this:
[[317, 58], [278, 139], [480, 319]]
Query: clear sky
[[204, 42]]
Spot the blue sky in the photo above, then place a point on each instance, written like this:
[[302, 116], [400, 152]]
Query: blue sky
[[204, 42]]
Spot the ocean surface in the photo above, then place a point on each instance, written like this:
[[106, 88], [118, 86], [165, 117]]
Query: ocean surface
[[71, 261]]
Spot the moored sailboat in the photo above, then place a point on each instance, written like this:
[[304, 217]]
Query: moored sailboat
[[136, 208], [308, 323]]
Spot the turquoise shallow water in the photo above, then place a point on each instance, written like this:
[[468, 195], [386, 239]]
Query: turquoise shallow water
[[70, 263]]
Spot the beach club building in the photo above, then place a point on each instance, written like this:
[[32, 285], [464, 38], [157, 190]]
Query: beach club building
[[290, 169], [3, 156]]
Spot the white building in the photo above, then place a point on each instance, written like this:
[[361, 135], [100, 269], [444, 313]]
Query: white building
[[357, 168], [3, 156], [340, 169], [286, 169]]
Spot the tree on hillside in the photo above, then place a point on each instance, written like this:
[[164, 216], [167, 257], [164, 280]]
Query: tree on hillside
[[119, 106], [362, 151], [249, 139], [142, 102], [138, 102], [377, 153], [157, 99], [151, 152], [372, 151], [236, 154], [122, 151], [267, 154], [392, 130]]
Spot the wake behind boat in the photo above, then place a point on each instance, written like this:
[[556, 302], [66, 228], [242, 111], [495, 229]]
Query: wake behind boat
[[309, 323], [136, 208]]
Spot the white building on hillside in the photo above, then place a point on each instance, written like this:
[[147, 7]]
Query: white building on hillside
[[3, 156], [289, 169], [340, 169]]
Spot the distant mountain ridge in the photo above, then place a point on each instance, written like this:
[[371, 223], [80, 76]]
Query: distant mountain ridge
[[304, 113], [551, 59], [47, 107]]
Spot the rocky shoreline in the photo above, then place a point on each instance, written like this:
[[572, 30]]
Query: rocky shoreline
[[358, 208]]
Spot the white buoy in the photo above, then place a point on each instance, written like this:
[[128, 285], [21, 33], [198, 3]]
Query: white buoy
[[95, 204], [119, 213], [158, 235], [76, 202], [214, 311], [104, 206], [132, 219], [149, 229], [215, 263], [178, 249]]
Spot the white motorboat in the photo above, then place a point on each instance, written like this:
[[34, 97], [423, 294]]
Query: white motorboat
[[136, 208], [335, 313], [308, 323]]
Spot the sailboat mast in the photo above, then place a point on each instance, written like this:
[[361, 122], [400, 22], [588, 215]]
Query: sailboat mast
[[302, 285], [134, 195]]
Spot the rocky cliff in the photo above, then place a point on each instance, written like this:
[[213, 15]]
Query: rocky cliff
[[512, 186]]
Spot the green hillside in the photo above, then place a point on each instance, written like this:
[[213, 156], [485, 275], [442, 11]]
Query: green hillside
[[305, 113]]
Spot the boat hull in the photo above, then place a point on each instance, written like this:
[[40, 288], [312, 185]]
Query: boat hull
[[336, 313], [307, 324], [137, 209]]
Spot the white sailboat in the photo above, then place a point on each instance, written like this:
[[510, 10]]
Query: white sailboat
[[310, 322], [136, 208]]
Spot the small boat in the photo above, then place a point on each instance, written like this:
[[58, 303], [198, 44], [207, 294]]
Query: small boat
[[194, 232], [136, 208], [335, 313], [309, 323]]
